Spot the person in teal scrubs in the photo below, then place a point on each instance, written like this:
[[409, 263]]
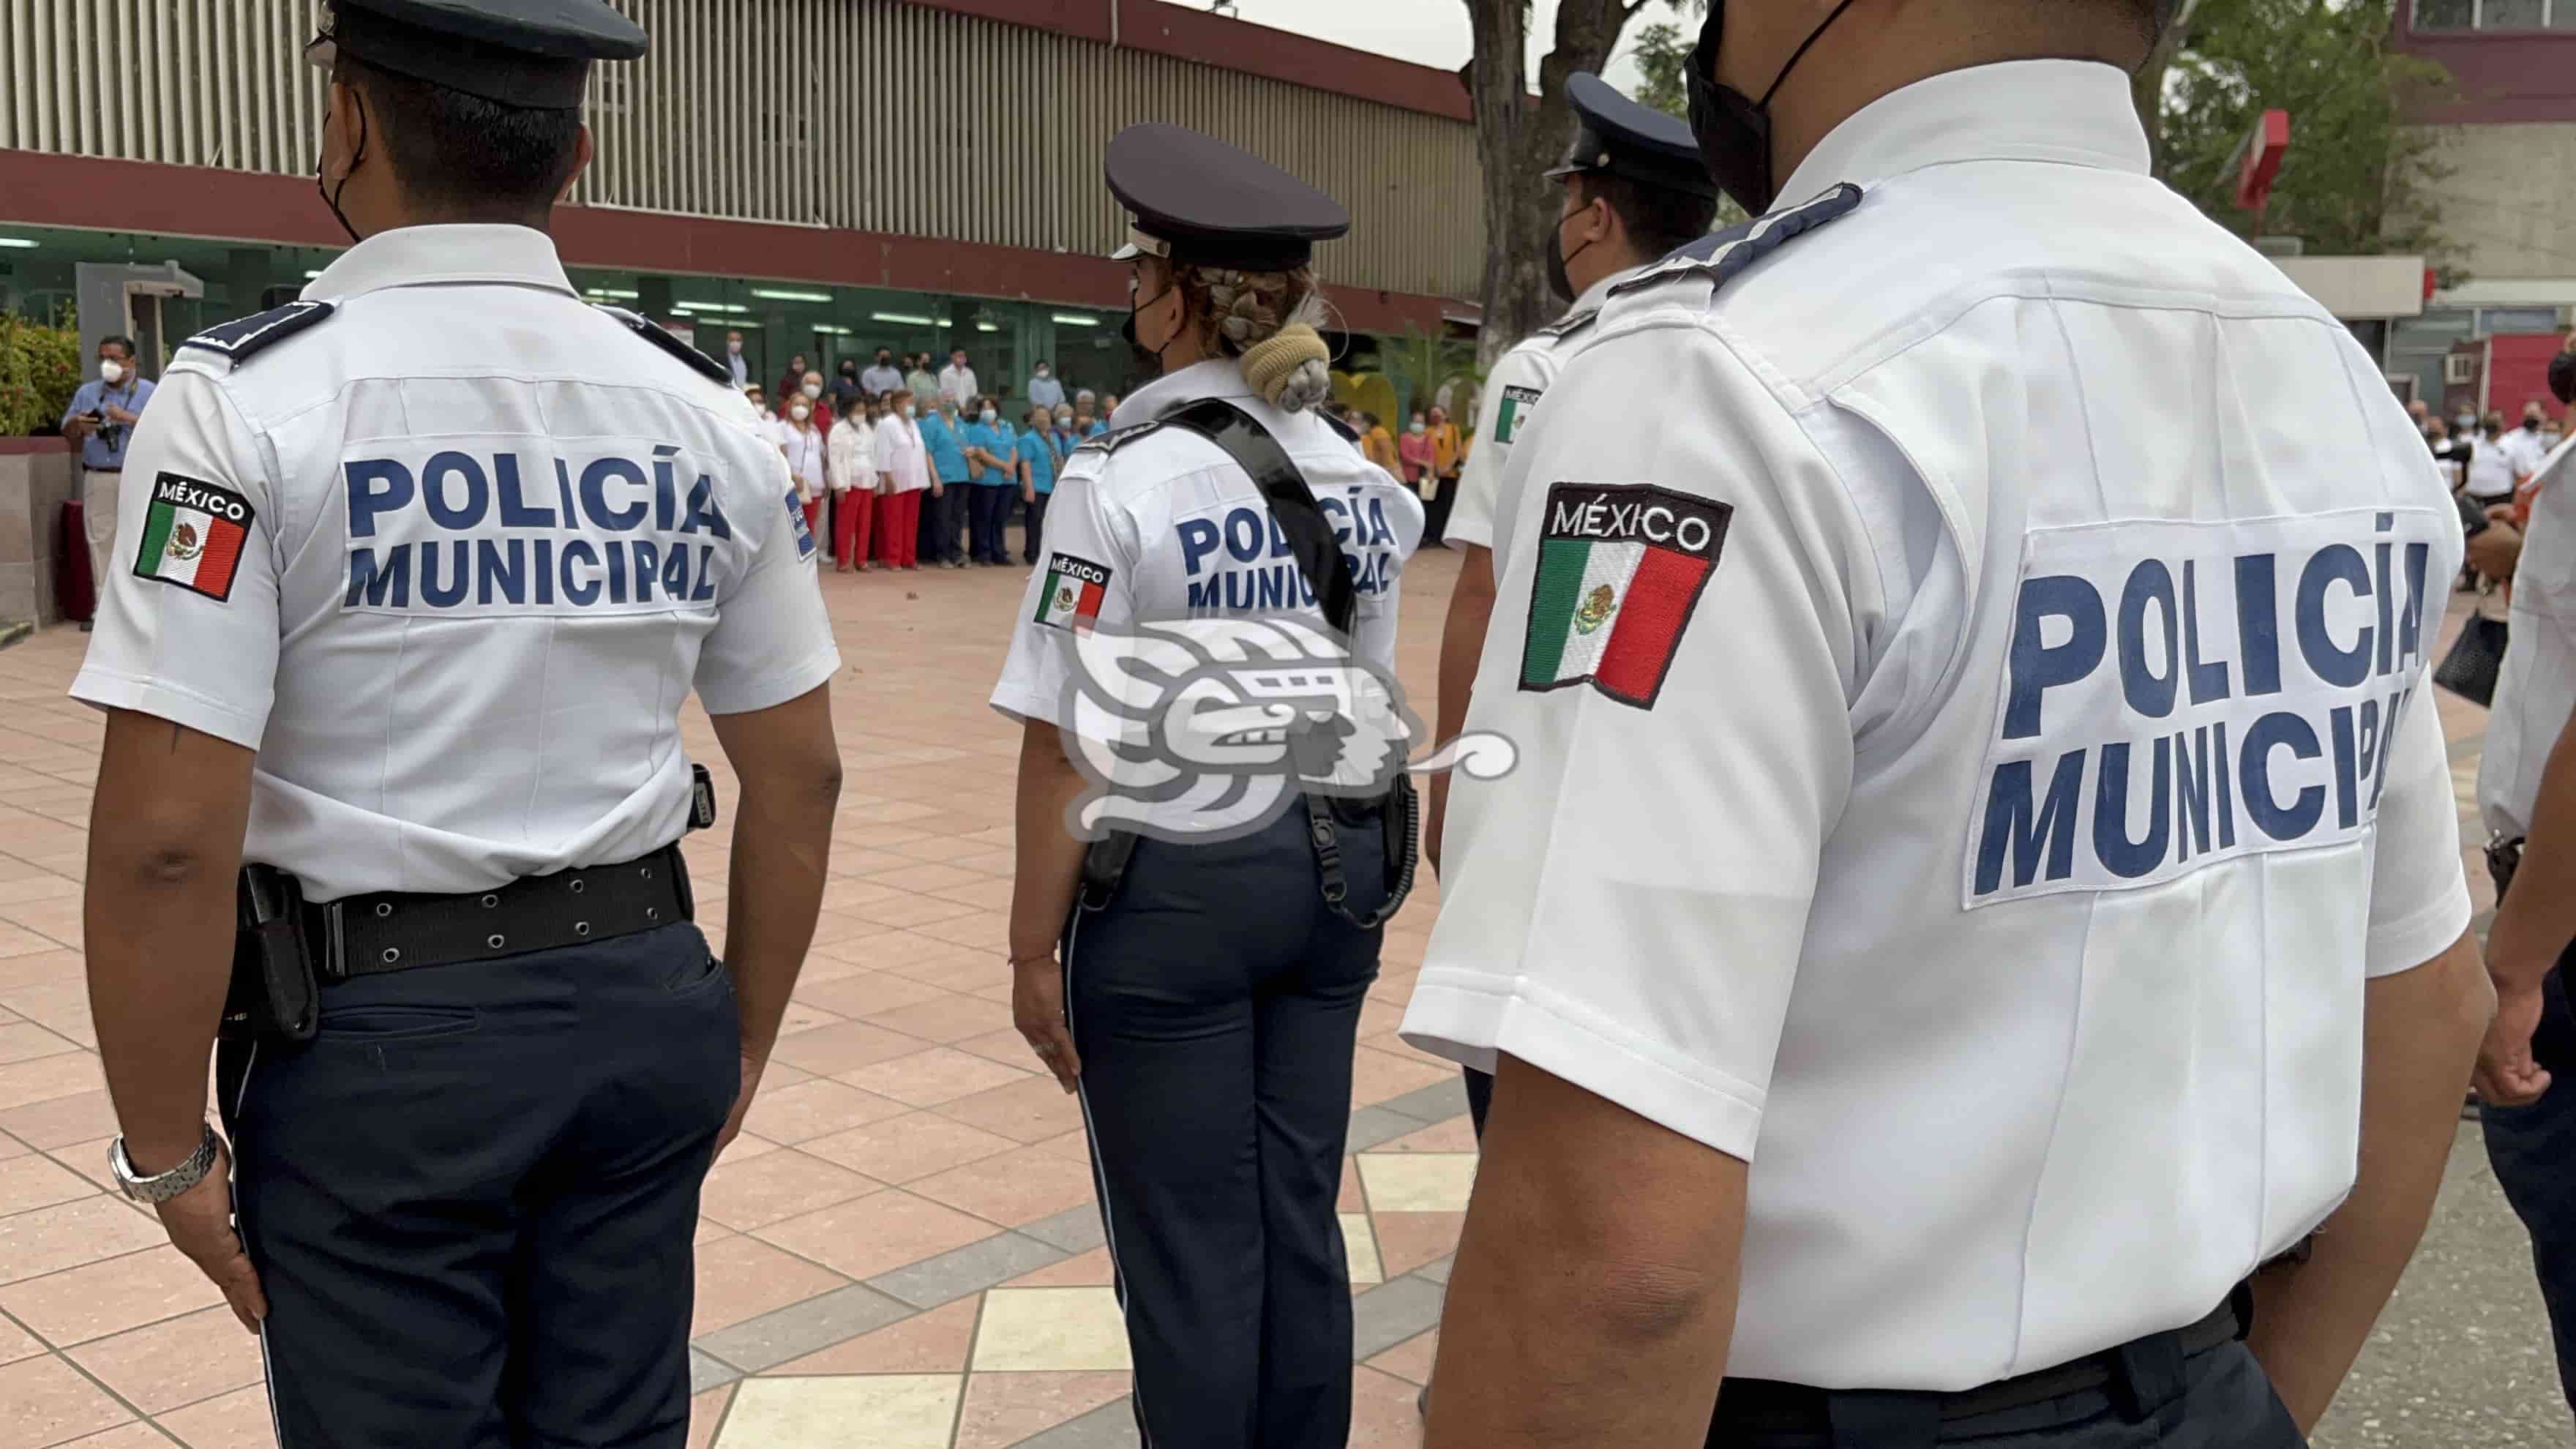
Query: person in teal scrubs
[[946, 511], [1041, 453], [995, 450]]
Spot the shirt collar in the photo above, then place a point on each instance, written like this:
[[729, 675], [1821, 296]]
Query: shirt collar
[[1599, 292], [2072, 112], [414, 256], [1216, 377]]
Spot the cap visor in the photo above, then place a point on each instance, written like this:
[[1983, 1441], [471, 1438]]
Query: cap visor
[[1128, 253]]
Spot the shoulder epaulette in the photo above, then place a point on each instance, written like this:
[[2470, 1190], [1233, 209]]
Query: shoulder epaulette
[[1117, 438], [1569, 324], [645, 328], [1719, 256], [241, 340]]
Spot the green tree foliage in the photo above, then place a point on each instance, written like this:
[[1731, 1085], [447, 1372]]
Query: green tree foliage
[[1419, 365], [2357, 179], [40, 369], [1661, 51]]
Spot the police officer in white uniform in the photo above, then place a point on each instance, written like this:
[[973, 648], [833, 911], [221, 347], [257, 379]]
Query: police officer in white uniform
[[1634, 190], [415, 580], [1204, 995], [1980, 821], [2527, 798]]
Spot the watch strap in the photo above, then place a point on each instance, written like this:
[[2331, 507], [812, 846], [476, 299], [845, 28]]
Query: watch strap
[[160, 1187]]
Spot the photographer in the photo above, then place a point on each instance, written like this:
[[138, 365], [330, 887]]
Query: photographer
[[101, 420]]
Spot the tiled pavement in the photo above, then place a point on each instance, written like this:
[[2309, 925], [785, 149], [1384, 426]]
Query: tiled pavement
[[902, 1251]]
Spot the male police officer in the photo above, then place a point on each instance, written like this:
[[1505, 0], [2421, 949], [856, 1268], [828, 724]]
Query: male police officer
[[2527, 794], [1634, 190], [414, 579], [1971, 756]]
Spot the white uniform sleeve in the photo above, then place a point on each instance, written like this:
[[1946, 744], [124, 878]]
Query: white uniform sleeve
[[1512, 393], [2419, 895], [1374, 622], [1627, 908], [1090, 545], [188, 614], [772, 641]]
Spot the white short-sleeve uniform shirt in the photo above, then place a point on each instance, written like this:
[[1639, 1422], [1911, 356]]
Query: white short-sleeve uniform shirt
[[2536, 689], [1514, 391], [1163, 525], [451, 561], [1974, 751]]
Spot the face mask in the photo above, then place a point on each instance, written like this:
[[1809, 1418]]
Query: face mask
[[1064, 420], [331, 194], [111, 372], [2531, 425], [733, 349], [800, 414], [813, 389], [881, 361], [1557, 280], [987, 417], [849, 369], [1734, 133], [1419, 428], [1042, 372], [2463, 423], [760, 404], [907, 410]]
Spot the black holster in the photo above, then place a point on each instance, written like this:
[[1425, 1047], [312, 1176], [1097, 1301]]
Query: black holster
[[1103, 863], [273, 996], [2504, 857]]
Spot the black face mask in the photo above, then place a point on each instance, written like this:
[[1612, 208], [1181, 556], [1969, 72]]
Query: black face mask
[[1147, 361], [331, 196], [2531, 425], [1557, 280], [1734, 133]]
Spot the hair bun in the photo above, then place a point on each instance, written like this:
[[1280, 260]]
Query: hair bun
[[1290, 369]]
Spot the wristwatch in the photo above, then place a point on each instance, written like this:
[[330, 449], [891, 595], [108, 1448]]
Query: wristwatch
[[162, 1186]]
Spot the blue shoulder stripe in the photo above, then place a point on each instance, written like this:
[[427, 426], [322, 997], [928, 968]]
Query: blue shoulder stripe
[[1721, 255]]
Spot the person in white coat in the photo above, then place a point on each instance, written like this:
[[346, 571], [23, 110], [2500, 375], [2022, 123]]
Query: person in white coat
[[850, 466], [903, 471]]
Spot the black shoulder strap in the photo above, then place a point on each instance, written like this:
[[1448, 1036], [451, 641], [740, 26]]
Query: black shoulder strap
[[650, 331], [242, 338], [1310, 535]]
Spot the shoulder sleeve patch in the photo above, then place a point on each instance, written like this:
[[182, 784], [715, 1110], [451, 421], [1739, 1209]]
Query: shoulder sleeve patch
[[644, 327], [1721, 255], [240, 340], [193, 534], [1074, 589]]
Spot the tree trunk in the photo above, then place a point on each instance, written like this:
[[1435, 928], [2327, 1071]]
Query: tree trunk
[[2149, 86], [1517, 139]]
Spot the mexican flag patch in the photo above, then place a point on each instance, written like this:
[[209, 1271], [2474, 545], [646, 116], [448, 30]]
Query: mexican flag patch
[[1620, 568], [193, 536], [1518, 404], [1074, 589]]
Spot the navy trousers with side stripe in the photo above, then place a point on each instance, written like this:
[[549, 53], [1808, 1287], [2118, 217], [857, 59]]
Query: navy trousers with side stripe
[[1215, 1003], [472, 1197]]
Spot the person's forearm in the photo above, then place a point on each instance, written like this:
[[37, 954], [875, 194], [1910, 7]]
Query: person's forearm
[[157, 928], [1050, 859], [2538, 917], [1593, 1298], [782, 854], [1462, 645], [2421, 1031]]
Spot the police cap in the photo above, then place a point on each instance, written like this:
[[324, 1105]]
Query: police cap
[[1197, 199], [532, 54], [1615, 134]]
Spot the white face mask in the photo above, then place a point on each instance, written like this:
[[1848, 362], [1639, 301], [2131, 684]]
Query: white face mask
[[1042, 372], [733, 348], [800, 414], [111, 370], [1421, 427], [813, 389], [907, 410], [987, 417]]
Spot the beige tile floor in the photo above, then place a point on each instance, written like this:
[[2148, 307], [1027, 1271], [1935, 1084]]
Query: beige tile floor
[[901, 1252]]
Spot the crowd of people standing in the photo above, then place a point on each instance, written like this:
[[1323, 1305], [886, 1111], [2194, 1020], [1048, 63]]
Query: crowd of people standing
[[898, 465]]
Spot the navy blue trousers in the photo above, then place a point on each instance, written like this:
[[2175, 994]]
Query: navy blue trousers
[[986, 508], [1036, 529], [2216, 1399], [2533, 1150], [1215, 1003], [471, 1197]]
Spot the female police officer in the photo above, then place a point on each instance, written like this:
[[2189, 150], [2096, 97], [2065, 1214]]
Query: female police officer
[[1213, 987]]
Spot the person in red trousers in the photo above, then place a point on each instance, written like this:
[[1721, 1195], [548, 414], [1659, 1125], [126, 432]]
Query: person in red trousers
[[903, 475], [852, 455]]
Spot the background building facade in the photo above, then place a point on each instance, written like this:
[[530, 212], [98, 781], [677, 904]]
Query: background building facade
[[827, 176]]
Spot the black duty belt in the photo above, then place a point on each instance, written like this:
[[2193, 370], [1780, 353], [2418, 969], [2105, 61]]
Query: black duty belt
[[1761, 1406], [393, 931]]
